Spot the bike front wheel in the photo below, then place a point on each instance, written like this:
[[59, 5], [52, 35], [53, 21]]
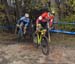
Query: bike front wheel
[[45, 46]]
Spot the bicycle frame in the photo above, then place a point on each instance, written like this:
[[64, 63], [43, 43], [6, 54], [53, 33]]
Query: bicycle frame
[[40, 34]]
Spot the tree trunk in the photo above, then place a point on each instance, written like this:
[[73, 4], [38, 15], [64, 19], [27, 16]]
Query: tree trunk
[[7, 10], [18, 8]]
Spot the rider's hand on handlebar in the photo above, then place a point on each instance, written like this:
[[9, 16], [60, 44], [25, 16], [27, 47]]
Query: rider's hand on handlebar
[[37, 29], [17, 25]]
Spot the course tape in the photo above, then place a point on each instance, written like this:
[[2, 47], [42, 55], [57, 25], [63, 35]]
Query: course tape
[[7, 27], [57, 31], [62, 31], [64, 23]]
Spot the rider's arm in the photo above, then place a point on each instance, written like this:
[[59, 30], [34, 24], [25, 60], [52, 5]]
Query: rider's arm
[[17, 24], [51, 21], [37, 21], [19, 20], [27, 22]]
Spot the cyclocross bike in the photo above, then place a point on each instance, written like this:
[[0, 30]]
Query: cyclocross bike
[[20, 33], [42, 38]]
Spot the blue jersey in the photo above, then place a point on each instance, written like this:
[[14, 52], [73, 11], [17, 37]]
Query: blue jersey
[[24, 20]]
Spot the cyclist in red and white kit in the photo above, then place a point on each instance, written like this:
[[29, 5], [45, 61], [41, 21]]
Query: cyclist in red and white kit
[[42, 19]]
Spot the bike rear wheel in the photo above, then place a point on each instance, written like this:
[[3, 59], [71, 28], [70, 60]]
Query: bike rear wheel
[[35, 41], [45, 46], [20, 35]]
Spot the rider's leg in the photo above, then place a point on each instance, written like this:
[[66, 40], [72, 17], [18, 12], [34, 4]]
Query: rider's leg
[[21, 24], [25, 28], [17, 28]]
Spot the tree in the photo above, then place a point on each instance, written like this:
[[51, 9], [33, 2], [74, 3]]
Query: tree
[[18, 8], [7, 10]]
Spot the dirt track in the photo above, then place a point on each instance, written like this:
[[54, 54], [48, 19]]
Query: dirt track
[[12, 52]]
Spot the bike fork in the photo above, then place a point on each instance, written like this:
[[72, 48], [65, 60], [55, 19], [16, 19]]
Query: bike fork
[[39, 39]]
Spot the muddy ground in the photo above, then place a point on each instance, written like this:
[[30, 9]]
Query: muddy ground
[[62, 50]]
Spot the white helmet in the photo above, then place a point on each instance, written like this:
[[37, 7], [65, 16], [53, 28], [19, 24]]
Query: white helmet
[[40, 17], [53, 12], [26, 15]]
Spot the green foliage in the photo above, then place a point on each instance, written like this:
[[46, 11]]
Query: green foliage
[[39, 4], [2, 7], [2, 16], [71, 3], [30, 5], [68, 19], [67, 14]]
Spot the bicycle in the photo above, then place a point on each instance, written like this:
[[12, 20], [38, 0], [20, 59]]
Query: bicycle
[[40, 39], [20, 33]]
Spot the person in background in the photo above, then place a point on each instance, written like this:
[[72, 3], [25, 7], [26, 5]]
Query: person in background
[[23, 22]]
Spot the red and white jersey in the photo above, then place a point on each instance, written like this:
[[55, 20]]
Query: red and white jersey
[[44, 16]]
